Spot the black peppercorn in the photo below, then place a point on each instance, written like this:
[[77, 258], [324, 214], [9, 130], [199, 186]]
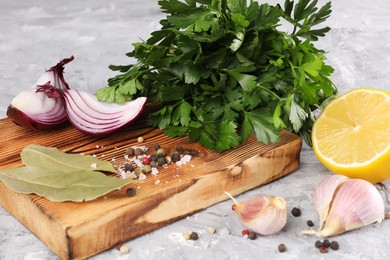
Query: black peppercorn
[[129, 167], [326, 243], [194, 236], [296, 212], [334, 245], [161, 161], [175, 157], [153, 164], [252, 235], [156, 147], [318, 244], [310, 223], [282, 248], [130, 192], [153, 157]]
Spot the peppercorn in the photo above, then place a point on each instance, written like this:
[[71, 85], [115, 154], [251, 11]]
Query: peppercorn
[[161, 161], [186, 236], [140, 139], [145, 161], [252, 235], [282, 248], [138, 171], [153, 164], [161, 151], [138, 151], [245, 232], [234, 207], [130, 151], [318, 244], [130, 192], [334, 245], [175, 157], [296, 212], [129, 167], [211, 230], [168, 159], [310, 223], [194, 236], [323, 249], [156, 147], [326, 243], [147, 169], [153, 157], [180, 149]]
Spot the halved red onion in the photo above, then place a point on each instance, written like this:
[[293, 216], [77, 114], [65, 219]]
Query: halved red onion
[[36, 110], [93, 117]]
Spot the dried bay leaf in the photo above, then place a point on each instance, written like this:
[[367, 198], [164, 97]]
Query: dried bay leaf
[[52, 158], [80, 185]]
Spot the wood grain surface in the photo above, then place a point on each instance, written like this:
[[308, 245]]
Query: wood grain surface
[[79, 230]]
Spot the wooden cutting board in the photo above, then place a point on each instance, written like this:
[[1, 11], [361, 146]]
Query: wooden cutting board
[[79, 230]]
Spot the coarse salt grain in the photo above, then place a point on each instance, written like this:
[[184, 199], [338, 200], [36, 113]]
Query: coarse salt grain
[[186, 158], [94, 155], [97, 146], [142, 177], [93, 165], [157, 182], [154, 171]]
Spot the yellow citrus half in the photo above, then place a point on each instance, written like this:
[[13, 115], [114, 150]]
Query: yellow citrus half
[[352, 135]]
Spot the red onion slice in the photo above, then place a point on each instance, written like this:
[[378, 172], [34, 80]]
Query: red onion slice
[[93, 117], [37, 111]]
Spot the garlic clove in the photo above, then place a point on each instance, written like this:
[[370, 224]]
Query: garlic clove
[[324, 193], [356, 203], [264, 215]]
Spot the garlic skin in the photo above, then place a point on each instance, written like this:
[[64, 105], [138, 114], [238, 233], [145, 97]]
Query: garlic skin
[[355, 203], [324, 193], [264, 215]]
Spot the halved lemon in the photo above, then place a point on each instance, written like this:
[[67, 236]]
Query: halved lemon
[[352, 135]]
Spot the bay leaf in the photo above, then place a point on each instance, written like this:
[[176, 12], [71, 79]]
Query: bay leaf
[[52, 158], [81, 185]]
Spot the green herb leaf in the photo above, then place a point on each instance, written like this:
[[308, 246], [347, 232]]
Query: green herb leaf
[[215, 65], [55, 185], [51, 158]]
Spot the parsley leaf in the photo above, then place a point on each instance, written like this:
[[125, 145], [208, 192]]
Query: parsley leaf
[[223, 70]]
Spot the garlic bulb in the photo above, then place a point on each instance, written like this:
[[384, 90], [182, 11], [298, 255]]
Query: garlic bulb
[[345, 204], [264, 215]]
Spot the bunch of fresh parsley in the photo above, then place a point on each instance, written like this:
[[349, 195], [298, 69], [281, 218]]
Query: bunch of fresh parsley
[[222, 70]]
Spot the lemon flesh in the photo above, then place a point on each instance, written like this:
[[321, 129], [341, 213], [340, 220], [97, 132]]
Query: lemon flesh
[[352, 135]]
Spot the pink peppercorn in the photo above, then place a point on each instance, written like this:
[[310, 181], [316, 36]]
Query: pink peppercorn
[[146, 161]]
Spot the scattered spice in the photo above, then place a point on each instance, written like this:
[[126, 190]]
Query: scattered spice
[[130, 151], [211, 230], [194, 236], [252, 235], [156, 147], [323, 249], [130, 192], [282, 248], [138, 151], [140, 139], [186, 235], [146, 160], [245, 232], [124, 249], [326, 243], [334, 245], [296, 212], [160, 151], [318, 244], [310, 223]]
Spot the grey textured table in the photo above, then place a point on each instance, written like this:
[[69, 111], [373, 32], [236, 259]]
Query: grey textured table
[[36, 34]]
